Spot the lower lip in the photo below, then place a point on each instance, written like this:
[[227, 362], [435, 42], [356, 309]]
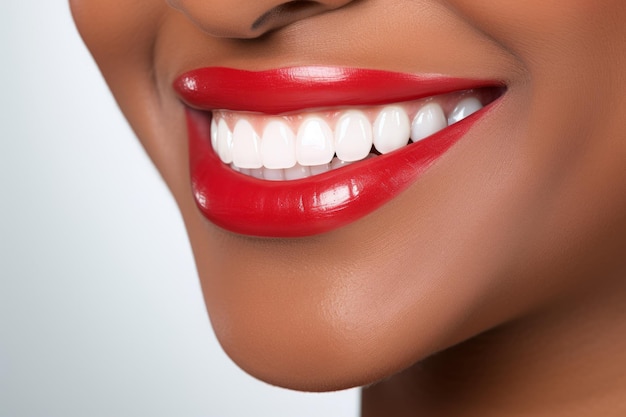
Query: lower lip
[[309, 206]]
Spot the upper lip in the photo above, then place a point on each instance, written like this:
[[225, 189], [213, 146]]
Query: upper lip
[[291, 89]]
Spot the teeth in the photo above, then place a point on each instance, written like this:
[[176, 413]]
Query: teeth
[[273, 174], [225, 142], [465, 107], [391, 129], [296, 172], [328, 140], [428, 120], [319, 169], [338, 163], [278, 146], [257, 173], [353, 136], [314, 143], [246, 144], [214, 133]]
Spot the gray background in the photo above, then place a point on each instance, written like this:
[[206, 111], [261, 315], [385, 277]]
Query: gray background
[[100, 308]]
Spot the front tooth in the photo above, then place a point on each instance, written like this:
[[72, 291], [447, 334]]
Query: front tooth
[[465, 107], [314, 143], [214, 133], [391, 129], [429, 120], [353, 136], [224, 142], [246, 144], [278, 146]]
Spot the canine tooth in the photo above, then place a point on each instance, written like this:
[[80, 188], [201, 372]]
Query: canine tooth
[[429, 119], [246, 152], [278, 145], [319, 169], [224, 142], [353, 136], [214, 134], [273, 174], [296, 172], [314, 143], [391, 129], [465, 107]]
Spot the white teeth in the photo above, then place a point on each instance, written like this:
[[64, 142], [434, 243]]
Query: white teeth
[[319, 169], [214, 134], [296, 172], [246, 146], [278, 145], [330, 139], [224, 142], [257, 173], [314, 143], [465, 107], [428, 120], [391, 129], [353, 136], [273, 174], [338, 163]]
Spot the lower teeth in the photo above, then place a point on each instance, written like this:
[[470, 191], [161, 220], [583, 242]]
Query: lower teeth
[[296, 172]]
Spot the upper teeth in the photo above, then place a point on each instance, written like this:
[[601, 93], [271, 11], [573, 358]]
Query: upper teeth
[[299, 145]]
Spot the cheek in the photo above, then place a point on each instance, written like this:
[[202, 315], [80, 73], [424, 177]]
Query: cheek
[[122, 37], [530, 27]]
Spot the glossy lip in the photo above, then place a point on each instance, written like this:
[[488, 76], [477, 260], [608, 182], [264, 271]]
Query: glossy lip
[[320, 203], [296, 88]]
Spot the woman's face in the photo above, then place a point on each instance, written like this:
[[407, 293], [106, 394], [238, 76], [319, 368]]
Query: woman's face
[[525, 209]]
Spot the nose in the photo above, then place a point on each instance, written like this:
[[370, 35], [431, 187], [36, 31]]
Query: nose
[[247, 19]]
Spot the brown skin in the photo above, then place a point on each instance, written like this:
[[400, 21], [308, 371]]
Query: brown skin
[[496, 282]]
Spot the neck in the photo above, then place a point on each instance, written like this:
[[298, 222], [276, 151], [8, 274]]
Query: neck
[[569, 360]]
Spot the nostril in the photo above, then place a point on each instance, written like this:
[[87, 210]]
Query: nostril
[[284, 11]]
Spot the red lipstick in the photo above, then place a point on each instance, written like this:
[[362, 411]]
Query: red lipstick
[[321, 203], [297, 88]]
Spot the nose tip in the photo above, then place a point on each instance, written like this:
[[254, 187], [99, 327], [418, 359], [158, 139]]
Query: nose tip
[[246, 19]]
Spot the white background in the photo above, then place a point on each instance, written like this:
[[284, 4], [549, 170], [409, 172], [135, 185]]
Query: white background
[[100, 308]]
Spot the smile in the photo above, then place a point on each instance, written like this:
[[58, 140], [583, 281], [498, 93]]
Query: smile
[[297, 146], [265, 146]]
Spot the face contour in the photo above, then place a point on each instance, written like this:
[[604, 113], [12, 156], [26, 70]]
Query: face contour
[[518, 213]]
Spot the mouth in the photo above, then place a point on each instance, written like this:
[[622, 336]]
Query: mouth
[[295, 152]]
